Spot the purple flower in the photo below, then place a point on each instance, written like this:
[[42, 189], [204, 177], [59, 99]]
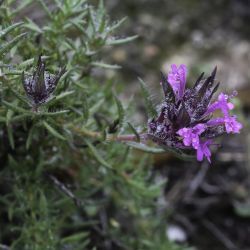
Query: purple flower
[[185, 118], [203, 150], [221, 104], [177, 79], [231, 125], [191, 135]]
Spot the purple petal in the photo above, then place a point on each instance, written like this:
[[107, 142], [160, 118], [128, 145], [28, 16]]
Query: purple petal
[[186, 134], [177, 79], [212, 107], [190, 136], [199, 128], [183, 74], [232, 125], [221, 104], [216, 121], [174, 68], [204, 150], [199, 154], [195, 142]]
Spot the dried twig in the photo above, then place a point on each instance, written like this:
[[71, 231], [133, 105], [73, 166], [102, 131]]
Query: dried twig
[[219, 235], [79, 203], [61, 186]]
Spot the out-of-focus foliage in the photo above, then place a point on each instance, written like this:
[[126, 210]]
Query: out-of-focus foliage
[[59, 188]]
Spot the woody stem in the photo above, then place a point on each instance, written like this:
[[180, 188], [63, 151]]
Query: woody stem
[[110, 137]]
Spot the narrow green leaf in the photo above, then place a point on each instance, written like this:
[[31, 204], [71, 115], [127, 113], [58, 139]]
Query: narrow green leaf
[[106, 65], [101, 16], [61, 96], [6, 31], [20, 117], [79, 27], [134, 131], [97, 156], [96, 106], [30, 136], [121, 41], [9, 115], [43, 204], [20, 6], [145, 148], [16, 73], [64, 94], [61, 6], [20, 97], [85, 107], [29, 62], [149, 104], [9, 45], [46, 9], [51, 113], [75, 237], [101, 7], [81, 86], [117, 25], [16, 108], [32, 26], [156, 150], [53, 131], [10, 136], [93, 22], [68, 45], [121, 111]]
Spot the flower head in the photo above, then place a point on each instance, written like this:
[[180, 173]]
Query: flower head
[[41, 84], [185, 119]]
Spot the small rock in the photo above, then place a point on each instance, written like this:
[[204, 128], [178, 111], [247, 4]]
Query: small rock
[[176, 233]]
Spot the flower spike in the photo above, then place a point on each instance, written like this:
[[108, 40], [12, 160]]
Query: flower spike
[[185, 119]]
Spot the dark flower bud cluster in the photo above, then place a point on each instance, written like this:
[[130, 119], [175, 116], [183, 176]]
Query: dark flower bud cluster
[[185, 119], [41, 84]]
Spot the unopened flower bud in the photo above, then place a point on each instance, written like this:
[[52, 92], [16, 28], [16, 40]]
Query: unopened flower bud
[[40, 86]]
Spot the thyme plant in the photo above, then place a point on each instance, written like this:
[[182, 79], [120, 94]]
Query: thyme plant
[[66, 180]]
